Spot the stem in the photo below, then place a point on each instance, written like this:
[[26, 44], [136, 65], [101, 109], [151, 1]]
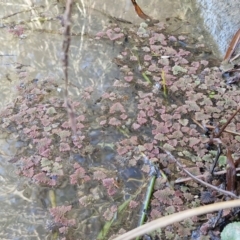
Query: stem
[[147, 199], [219, 152], [227, 193], [226, 124], [65, 60], [177, 217]]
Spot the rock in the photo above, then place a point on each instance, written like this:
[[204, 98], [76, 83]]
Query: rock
[[221, 19]]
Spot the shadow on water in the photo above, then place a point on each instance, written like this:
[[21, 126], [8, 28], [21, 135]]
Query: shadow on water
[[31, 48]]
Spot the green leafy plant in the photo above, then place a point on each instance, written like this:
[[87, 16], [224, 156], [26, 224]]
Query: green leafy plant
[[231, 231]]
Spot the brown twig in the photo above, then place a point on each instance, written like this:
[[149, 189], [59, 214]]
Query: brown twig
[[212, 127], [23, 11], [226, 124], [235, 57], [65, 47], [231, 172], [215, 137], [227, 193], [139, 11], [66, 42], [232, 45], [227, 131], [182, 180]]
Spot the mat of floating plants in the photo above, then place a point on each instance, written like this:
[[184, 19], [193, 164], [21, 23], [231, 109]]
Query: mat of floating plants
[[170, 96]]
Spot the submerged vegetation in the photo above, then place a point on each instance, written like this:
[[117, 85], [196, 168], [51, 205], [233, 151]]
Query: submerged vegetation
[[171, 114]]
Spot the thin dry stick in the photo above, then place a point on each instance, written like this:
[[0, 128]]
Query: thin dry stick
[[226, 124], [235, 57], [65, 47], [219, 152], [212, 127], [224, 172], [232, 46], [227, 193], [23, 11], [181, 180], [66, 42], [232, 132], [177, 217]]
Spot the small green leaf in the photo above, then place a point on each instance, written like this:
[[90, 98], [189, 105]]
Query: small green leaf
[[231, 231], [168, 147], [51, 111], [176, 69], [57, 169], [222, 161], [211, 94], [208, 158], [45, 162], [237, 138], [184, 121]]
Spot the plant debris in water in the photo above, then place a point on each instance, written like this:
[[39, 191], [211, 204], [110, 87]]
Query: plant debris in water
[[168, 99]]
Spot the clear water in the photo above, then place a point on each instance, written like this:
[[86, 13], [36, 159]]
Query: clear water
[[37, 53]]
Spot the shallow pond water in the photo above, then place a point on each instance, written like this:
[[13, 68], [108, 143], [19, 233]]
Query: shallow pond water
[[31, 42]]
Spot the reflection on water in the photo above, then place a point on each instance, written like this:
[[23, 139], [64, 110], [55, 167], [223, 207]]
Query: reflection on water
[[37, 40], [31, 46], [21, 216]]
